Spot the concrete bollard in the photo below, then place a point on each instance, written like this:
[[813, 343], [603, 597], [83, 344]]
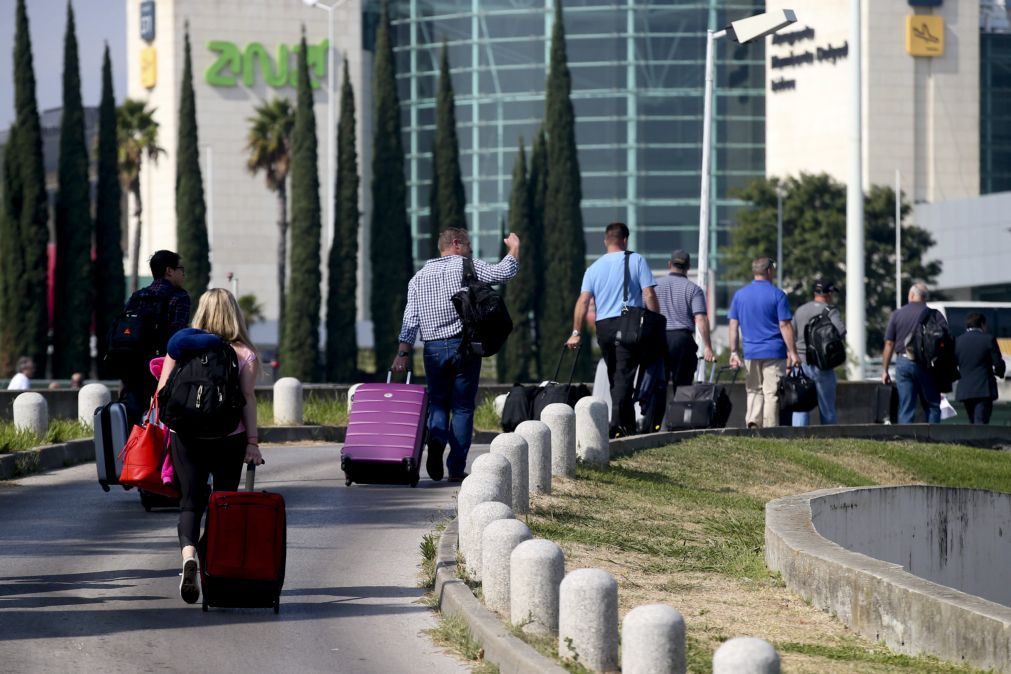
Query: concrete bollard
[[653, 641], [31, 413], [89, 399], [561, 421], [481, 516], [288, 402], [477, 488], [536, 570], [746, 655], [497, 543], [514, 448], [538, 438], [591, 431], [588, 619], [497, 466]]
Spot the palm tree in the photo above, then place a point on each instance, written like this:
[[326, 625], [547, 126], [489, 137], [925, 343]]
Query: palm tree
[[136, 135], [269, 145]]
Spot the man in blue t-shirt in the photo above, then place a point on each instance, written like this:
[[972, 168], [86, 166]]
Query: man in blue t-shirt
[[604, 283], [764, 317]]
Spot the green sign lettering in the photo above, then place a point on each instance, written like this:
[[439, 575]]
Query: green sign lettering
[[232, 64]]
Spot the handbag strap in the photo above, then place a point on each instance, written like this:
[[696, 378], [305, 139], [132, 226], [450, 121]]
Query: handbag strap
[[624, 290]]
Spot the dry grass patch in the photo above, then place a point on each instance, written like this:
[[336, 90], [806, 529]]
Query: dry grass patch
[[684, 525]]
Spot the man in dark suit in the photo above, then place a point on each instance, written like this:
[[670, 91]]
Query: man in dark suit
[[979, 360]]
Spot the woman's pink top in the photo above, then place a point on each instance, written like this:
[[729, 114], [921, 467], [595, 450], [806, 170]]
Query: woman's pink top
[[246, 357]]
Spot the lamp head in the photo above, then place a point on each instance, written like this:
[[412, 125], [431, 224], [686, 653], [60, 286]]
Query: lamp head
[[310, 3], [758, 26]]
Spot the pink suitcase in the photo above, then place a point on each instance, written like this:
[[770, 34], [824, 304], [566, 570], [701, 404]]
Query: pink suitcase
[[386, 434]]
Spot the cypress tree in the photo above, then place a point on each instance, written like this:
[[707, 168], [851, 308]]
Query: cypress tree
[[110, 282], [522, 289], [533, 247], [564, 242], [300, 341], [433, 206], [191, 211], [73, 301], [24, 322], [390, 252], [451, 196], [341, 340]]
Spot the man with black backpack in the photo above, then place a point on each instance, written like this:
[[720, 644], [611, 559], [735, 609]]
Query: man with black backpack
[[821, 345], [152, 315], [452, 363], [916, 334]]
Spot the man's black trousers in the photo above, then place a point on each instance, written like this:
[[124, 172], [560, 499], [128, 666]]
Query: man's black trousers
[[621, 365], [680, 363]]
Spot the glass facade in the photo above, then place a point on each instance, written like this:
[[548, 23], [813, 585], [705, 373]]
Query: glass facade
[[637, 77], [995, 112]]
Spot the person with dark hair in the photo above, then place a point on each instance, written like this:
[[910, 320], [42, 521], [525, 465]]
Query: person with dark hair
[[452, 377], [163, 308], [604, 283], [22, 379], [824, 380], [683, 304], [763, 315], [979, 361]]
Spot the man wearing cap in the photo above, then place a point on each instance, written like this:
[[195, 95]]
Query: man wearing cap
[[761, 311], [824, 380], [683, 304]]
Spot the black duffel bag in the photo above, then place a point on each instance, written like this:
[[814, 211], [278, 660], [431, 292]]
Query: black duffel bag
[[519, 406], [553, 392], [640, 329], [796, 392]]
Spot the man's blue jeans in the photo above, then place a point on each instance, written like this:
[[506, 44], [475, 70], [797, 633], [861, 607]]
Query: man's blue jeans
[[825, 384], [915, 383], [452, 391]]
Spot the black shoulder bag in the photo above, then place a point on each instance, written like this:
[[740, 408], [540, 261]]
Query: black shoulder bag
[[639, 328]]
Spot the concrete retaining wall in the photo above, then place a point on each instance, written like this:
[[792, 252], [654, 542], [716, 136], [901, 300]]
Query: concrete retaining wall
[[879, 598]]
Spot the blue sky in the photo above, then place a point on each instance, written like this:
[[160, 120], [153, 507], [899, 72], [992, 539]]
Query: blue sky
[[98, 21]]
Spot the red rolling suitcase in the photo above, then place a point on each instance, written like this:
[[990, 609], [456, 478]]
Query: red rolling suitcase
[[244, 549], [386, 434]]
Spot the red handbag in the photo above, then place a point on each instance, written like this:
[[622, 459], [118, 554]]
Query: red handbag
[[144, 455]]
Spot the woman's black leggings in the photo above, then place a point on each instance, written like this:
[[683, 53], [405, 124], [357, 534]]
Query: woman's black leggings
[[196, 458]]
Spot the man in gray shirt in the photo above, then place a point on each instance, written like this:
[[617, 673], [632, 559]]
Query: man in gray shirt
[[824, 380], [683, 304], [913, 380]]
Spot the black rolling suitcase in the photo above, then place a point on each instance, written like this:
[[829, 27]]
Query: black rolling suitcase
[[701, 405], [553, 392], [111, 431], [886, 404]]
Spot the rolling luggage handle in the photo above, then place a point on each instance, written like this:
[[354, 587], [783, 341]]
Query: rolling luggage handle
[[389, 376], [251, 475], [716, 371], [575, 359]]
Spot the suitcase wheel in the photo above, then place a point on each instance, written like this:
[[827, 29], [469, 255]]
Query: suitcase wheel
[[347, 482], [277, 605], [105, 487]]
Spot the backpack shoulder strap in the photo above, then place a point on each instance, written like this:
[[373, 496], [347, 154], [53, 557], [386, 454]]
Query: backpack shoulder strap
[[469, 274], [624, 291]]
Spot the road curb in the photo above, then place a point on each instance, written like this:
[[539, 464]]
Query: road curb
[[511, 654]]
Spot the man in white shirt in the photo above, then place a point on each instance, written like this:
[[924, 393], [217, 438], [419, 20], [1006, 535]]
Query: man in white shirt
[[22, 381]]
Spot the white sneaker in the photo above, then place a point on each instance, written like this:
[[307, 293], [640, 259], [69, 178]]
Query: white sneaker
[[189, 585]]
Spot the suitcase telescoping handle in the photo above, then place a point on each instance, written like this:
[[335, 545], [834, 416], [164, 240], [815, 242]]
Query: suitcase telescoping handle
[[251, 475], [717, 371], [575, 359], [389, 376]]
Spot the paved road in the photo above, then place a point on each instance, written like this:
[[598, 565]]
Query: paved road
[[89, 581]]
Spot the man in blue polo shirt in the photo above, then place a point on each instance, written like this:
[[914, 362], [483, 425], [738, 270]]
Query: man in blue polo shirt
[[604, 283], [764, 317]]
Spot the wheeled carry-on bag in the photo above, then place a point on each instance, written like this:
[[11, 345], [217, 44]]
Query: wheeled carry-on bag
[[386, 434], [244, 548], [702, 405], [554, 392], [111, 430]]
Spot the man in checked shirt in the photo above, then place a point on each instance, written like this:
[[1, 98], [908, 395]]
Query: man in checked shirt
[[452, 377]]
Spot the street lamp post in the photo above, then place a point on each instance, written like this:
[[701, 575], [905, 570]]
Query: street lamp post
[[331, 131], [779, 235], [742, 32]]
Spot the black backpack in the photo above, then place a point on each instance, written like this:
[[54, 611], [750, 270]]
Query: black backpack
[[930, 340], [826, 348], [483, 312], [202, 397], [138, 334]]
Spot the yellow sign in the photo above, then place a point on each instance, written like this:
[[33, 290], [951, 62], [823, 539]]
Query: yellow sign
[[148, 67], [925, 35]]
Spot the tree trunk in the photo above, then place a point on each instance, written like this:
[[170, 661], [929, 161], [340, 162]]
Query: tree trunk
[[135, 262], [282, 255]]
